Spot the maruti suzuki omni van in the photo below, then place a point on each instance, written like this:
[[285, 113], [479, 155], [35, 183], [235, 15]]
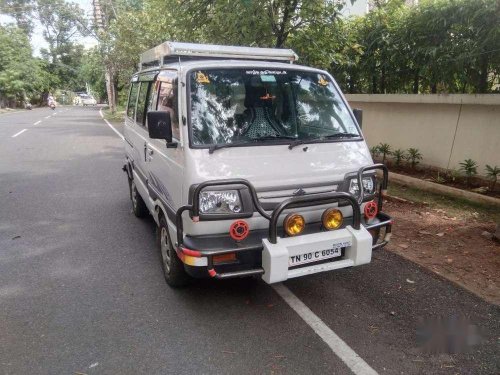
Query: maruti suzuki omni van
[[250, 164]]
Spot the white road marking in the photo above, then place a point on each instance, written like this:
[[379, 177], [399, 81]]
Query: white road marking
[[47, 116], [36, 123], [21, 132], [111, 126], [357, 365]]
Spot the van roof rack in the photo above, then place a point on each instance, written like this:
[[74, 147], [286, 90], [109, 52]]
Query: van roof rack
[[168, 52]]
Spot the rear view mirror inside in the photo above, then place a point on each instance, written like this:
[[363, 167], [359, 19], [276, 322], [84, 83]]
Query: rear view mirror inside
[[159, 125]]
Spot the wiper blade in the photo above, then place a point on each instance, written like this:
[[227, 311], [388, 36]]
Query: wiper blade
[[273, 137], [212, 148], [215, 147], [323, 137]]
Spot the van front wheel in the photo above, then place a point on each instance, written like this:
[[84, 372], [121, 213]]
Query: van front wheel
[[173, 269]]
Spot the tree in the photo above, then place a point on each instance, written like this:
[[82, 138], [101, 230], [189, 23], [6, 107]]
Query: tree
[[21, 75]]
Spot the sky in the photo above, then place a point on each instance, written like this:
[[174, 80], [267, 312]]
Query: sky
[[37, 40]]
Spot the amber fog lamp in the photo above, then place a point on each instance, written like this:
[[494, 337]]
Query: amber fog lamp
[[332, 218], [294, 224]]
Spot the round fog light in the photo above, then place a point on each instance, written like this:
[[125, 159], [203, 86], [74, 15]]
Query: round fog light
[[332, 218], [294, 224]]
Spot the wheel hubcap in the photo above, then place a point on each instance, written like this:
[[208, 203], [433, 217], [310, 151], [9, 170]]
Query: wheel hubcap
[[165, 249]]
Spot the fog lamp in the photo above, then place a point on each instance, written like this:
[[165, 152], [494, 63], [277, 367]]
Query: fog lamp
[[332, 218], [294, 224]]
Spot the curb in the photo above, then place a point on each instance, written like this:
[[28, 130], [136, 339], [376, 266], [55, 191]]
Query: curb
[[442, 189]]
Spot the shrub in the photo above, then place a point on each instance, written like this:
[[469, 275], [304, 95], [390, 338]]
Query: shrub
[[414, 156], [399, 155], [385, 150], [374, 151], [492, 172], [469, 167]]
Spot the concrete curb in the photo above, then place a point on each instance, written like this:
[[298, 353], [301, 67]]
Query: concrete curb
[[442, 189]]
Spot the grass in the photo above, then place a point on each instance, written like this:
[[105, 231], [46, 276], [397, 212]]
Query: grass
[[118, 116], [453, 206]]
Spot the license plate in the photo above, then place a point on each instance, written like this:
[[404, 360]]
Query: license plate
[[314, 256]]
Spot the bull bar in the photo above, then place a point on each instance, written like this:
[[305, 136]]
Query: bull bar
[[384, 220]]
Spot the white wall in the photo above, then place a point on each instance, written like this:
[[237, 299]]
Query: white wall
[[445, 128]]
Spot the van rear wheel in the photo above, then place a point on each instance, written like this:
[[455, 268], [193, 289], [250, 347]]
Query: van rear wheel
[[173, 268], [138, 206]]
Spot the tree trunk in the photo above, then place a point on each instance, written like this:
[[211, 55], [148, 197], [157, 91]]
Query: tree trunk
[[482, 85], [433, 88], [416, 81], [110, 88]]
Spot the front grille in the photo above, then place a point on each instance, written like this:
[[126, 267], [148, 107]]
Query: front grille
[[271, 198]]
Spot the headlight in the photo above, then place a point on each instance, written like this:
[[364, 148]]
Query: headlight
[[220, 202], [368, 186]]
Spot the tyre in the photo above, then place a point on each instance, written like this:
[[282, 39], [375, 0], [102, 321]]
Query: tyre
[[173, 268], [138, 206]]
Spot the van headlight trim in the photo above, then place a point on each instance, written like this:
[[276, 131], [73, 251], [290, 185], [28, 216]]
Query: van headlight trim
[[369, 184], [220, 202]]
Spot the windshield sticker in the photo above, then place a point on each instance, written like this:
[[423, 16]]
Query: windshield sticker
[[267, 78], [322, 81], [266, 72], [202, 77]]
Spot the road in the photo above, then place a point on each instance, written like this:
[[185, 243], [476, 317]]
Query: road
[[81, 287]]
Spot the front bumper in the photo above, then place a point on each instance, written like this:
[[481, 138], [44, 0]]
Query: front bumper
[[264, 253]]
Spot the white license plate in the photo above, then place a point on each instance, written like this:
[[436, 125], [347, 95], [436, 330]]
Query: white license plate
[[314, 256]]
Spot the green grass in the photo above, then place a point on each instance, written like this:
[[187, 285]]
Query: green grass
[[118, 116], [453, 206]]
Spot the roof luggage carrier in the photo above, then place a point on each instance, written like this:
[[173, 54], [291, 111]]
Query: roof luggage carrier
[[169, 52]]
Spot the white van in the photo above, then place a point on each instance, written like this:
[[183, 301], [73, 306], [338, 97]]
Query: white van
[[249, 165]]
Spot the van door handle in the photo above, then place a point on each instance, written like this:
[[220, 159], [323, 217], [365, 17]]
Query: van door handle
[[150, 152]]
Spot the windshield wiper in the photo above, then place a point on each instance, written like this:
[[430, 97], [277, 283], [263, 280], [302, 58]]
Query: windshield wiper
[[272, 137], [218, 146], [212, 148], [323, 137]]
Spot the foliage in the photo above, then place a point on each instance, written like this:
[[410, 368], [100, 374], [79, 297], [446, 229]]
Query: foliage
[[413, 156], [398, 156], [469, 167], [384, 149], [21, 75], [492, 172], [92, 71], [374, 151]]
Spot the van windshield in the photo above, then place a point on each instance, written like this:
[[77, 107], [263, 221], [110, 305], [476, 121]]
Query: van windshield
[[250, 105]]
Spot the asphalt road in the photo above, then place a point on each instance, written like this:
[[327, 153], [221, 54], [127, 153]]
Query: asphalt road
[[81, 287]]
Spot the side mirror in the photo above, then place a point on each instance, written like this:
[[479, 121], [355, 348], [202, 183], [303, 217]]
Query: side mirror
[[358, 114], [160, 125]]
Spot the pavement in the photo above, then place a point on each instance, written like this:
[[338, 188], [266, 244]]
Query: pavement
[[82, 291]]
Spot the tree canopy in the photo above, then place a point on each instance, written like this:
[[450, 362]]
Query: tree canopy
[[449, 46]]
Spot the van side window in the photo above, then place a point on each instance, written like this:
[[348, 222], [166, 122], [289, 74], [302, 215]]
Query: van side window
[[141, 102], [132, 98], [167, 101]]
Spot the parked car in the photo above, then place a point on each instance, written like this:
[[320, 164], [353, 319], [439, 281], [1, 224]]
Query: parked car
[[86, 100], [249, 165]]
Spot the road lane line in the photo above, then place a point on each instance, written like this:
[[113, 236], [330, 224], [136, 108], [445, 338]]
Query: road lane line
[[38, 122], [21, 132], [47, 116], [357, 365], [111, 126]]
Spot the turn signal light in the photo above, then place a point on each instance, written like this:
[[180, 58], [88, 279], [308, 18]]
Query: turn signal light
[[332, 218], [294, 224]]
